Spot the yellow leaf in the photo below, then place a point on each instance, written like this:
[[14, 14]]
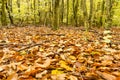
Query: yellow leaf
[[56, 72], [41, 49], [23, 52], [95, 53], [63, 64]]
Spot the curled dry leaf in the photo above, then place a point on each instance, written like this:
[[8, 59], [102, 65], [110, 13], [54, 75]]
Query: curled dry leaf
[[13, 76], [45, 64], [71, 77], [39, 75], [58, 77], [63, 56], [107, 63], [22, 67], [106, 76], [71, 59], [116, 73]]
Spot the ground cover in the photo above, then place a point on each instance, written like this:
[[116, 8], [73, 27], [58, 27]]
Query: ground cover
[[69, 53]]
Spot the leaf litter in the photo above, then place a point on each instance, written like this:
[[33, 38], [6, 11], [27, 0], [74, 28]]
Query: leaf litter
[[39, 53]]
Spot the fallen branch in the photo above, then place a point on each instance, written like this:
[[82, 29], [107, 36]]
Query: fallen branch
[[28, 47], [32, 45], [52, 34]]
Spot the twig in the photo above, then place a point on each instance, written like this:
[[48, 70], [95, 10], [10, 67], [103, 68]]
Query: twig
[[32, 45], [28, 47], [52, 34]]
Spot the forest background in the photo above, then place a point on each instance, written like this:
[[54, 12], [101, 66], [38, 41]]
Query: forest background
[[55, 13]]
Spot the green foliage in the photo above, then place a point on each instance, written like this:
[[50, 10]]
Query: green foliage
[[42, 12]]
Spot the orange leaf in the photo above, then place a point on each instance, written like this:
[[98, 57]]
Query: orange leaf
[[13, 76]]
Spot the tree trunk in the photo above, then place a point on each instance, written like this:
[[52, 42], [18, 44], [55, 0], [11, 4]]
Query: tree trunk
[[62, 12], [91, 13], [18, 5], [56, 14], [85, 14], [75, 10], [3, 14], [108, 13], [34, 4], [102, 12], [67, 18], [39, 13], [9, 10]]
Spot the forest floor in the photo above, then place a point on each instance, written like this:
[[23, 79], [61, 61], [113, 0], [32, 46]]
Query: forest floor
[[39, 53]]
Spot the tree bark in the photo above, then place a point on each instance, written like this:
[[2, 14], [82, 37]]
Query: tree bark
[[108, 13], [75, 10], [3, 13], [34, 4], [56, 14], [67, 18], [91, 13], [9, 10], [102, 13], [62, 12], [85, 14]]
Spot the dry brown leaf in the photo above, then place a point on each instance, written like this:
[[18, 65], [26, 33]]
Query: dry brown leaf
[[22, 67], [45, 64], [118, 78], [39, 75], [117, 73], [1, 54], [13, 76], [107, 63], [106, 76], [58, 77], [71, 77]]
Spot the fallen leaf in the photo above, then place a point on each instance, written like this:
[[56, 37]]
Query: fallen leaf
[[23, 52], [58, 77], [56, 71], [106, 32], [22, 67], [71, 77], [39, 75], [107, 63], [45, 64], [13, 76], [106, 76], [63, 64]]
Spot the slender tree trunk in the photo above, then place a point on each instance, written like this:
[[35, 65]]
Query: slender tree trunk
[[9, 10], [85, 14], [0, 12], [56, 14], [109, 13], [62, 12], [67, 18], [39, 13], [75, 10], [34, 11], [18, 5], [3, 14], [28, 11], [102, 13], [91, 13]]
